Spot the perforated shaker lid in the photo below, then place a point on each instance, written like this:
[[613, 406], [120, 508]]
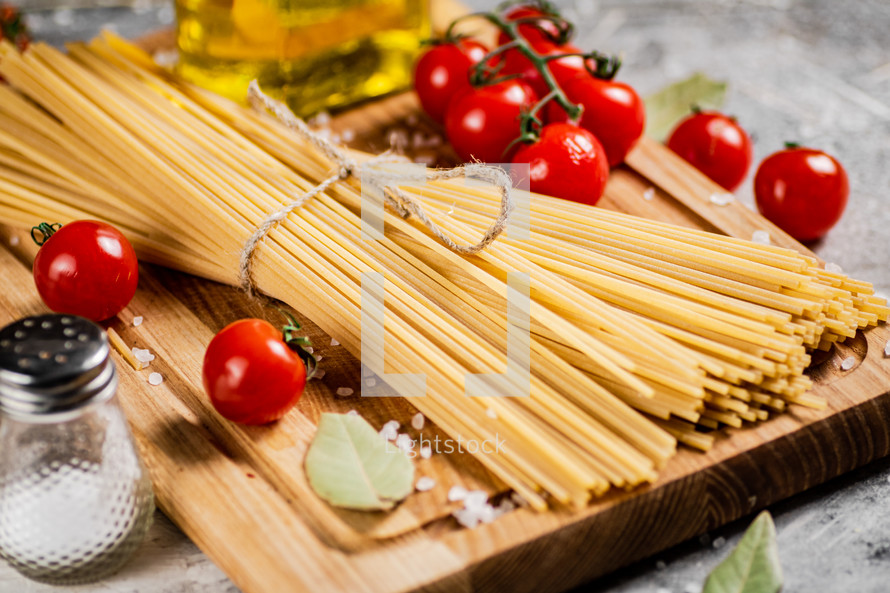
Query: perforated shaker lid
[[53, 363]]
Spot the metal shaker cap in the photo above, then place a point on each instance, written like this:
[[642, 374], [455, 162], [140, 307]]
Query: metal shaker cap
[[53, 363]]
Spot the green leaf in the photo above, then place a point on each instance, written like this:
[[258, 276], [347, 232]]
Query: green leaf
[[666, 107], [350, 465], [753, 567]]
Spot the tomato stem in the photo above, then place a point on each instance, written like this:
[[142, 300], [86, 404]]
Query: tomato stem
[[299, 344], [46, 230]]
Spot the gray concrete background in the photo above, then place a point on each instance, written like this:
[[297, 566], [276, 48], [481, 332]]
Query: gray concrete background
[[813, 71]]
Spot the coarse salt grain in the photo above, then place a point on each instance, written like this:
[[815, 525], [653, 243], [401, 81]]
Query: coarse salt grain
[[724, 199], [425, 483], [352, 413], [491, 414], [367, 372], [417, 421], [833, 268], [761, 237], [426, 452], [649, 194], [155, 379], [404, 442], [719, 543], [476, 499], [137, 321], [389, 433], [348, 135], [887, 348], [661, 565], [848, 363], [319, 374], [457, 493], [319, 358], [14, 240], [334, 342], [345, 391], [310, 350], [372, 382], [143, 355]]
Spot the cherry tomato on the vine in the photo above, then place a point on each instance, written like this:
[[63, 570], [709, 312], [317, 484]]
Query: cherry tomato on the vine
[[482, 122], [443, 71], [86, 268], [613, 112], [540, 28], [251, 375], [566, 162], [562, 69], [714, 144], [802, 191]]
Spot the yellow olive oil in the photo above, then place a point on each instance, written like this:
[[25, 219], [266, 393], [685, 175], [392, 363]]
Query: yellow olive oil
[[314, 54]]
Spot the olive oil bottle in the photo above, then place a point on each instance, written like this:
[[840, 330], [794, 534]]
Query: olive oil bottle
[[314, 54]]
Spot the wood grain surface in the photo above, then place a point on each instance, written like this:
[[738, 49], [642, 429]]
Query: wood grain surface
[[240, 494]]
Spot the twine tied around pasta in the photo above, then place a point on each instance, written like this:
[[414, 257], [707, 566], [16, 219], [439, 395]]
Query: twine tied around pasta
[[386, 181]]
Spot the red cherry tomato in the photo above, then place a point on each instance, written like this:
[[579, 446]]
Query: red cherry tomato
[[443, 71], [481, 123], [250, 374], [613, 112], [567, 162], [86, 268], [539, 29], [715, 145], [802, 191], [562, 69]]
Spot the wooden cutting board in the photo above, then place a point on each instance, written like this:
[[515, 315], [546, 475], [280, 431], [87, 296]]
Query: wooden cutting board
[[240, 494]]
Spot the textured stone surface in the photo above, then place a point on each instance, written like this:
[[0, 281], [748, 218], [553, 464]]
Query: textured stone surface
[[815, 71]]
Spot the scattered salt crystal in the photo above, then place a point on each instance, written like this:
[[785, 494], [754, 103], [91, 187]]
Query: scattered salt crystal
[[319, 358], [761, 237], [661, 565], [426, 452], [371, 382], [309, 349], [491, 414], [411, 120], [417, 421], [505, 507], [848, 363], [722, 199], [719, 543], [319, 374], [323, 118], [418, 140], [352, 413], [887, 348], [335, 138], [367, 372], [388, 432], [143, 355], [155, 379], [166, 59], [425, 483], [345, 391], [457, 493], [137, 321], [334, 342], [347, 135], [833, 268], [466, 518], [14, 240], [404, 442], [649, 194], [476, 499]]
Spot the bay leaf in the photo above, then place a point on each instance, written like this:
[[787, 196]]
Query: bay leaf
[[753, 567], [350, 465], [669, 105]]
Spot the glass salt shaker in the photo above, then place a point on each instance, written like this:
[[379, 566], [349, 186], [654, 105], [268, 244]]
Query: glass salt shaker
[[75, 499]]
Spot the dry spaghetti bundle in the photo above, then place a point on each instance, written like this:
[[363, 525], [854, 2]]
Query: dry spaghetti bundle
[[639, 331]]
